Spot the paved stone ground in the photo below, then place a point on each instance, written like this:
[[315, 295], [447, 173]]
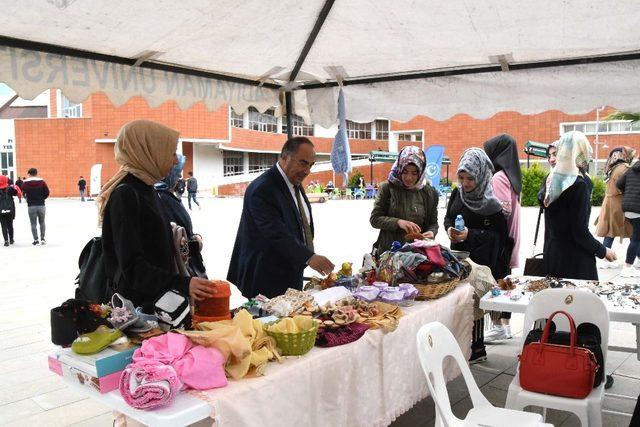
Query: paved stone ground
[[34, 279]]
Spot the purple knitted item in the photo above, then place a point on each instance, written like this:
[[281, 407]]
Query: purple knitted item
[[341, 336]]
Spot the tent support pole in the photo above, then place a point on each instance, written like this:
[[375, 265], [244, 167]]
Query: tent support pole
[[371, 181], [77, 53], [287, 97], [324, 12], [474, 70]]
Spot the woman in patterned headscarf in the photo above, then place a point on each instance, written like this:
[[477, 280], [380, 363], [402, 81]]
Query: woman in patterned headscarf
[[612, 223], [569, 248], [486, 235], [406, 204]]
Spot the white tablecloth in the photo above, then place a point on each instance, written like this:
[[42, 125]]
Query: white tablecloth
[[369, 382]]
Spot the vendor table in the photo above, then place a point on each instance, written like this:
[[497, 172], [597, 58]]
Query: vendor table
[[369, 382], [625, 314]]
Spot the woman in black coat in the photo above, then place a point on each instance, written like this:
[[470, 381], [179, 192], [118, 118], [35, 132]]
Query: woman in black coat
[[136, 236], [486, 235], [569, 248]]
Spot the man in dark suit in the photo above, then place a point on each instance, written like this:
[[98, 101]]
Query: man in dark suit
[[275, 236]]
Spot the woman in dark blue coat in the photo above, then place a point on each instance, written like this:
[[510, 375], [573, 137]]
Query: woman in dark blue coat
[[176, 212]]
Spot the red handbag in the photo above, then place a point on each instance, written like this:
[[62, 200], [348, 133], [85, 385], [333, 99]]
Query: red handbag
[[559, 370]]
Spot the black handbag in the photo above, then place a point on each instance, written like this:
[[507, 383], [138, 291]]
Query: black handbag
[[73, 318], [534, 266], [588, 338]]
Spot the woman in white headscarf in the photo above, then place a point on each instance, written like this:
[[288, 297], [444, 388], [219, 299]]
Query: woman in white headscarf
[[485, 235], [570, 250], [136, 236]]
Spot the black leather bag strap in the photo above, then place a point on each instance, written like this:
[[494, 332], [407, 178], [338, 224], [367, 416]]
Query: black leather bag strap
[[535, 238]]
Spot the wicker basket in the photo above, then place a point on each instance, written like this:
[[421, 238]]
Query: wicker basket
[[294, 344], [435, 290]]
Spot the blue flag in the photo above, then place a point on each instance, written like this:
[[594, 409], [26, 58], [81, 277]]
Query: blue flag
[[434, 155], [341, 153]]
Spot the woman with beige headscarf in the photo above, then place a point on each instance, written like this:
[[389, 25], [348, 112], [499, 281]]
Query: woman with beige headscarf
[[570, 250], [136, 235]]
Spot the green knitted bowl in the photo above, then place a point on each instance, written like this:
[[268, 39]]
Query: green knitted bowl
[[294, 344]]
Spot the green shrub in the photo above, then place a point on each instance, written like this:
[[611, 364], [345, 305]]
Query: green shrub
[[354, 179], [531, 181], [599, 190]]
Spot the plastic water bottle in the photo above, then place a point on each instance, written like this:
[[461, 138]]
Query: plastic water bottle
[[459, 223]]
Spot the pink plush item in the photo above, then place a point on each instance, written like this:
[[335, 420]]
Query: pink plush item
[[198, 367], [149, 384]]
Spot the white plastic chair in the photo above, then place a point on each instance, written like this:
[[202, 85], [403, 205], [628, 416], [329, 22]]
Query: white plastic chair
[[584, 307], [435, 342]]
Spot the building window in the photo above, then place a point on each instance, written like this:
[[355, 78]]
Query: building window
[[410, 136], [233, 163], [70, 109], [382, 130], [357, 130], [259, 162], [300, 128], [6, 164], [604, 127], [237, 120], [263, 122]]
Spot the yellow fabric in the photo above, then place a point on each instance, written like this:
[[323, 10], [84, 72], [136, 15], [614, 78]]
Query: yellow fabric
[[144, 149], [242, 341]]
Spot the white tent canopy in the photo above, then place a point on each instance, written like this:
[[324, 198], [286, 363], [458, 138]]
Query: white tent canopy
[[395, 59]]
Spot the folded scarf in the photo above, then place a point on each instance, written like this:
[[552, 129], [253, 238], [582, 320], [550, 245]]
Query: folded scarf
[[149, 384], [197, 367]]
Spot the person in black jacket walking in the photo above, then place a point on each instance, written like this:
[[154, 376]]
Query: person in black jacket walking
[[629, 184], [7, 209], [136, 236], [192, 190], [486, 234], [569, 248], [36, 192], [82, 186], [19, 182]]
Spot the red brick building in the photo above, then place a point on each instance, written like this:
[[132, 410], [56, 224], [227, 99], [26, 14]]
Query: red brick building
[[226, 150]]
